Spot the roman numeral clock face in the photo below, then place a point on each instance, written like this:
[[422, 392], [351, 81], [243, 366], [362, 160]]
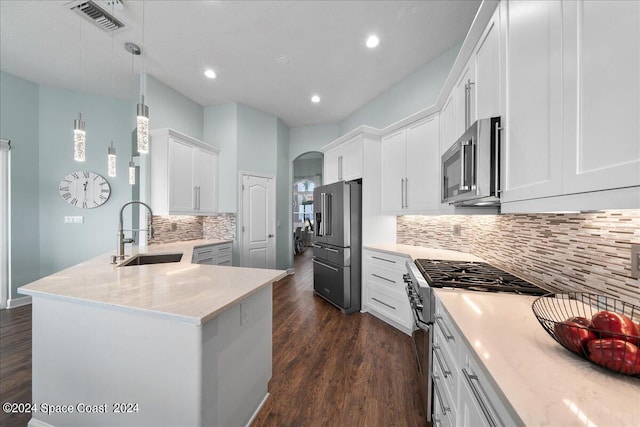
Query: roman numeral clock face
[[84, 189]]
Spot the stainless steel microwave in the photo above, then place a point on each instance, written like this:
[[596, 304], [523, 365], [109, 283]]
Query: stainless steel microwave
[[471, 167]]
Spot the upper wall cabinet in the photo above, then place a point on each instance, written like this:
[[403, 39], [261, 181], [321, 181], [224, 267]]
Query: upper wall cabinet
[[602, 95], [343, 162], [184, 174], [411, 168], [573, 119]]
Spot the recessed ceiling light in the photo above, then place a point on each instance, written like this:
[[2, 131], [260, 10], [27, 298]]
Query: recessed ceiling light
[[210, 73], [283, 59], [373, 41], [315, 99]]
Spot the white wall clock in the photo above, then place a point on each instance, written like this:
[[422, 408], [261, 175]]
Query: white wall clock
[[84, 189]]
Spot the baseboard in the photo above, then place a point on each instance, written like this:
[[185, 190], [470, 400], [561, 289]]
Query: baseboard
[[255, 413], [17, 302]]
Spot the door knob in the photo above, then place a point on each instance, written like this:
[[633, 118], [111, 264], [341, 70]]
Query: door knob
[[270, 236]]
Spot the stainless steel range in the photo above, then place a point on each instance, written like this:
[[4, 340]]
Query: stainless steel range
[[426, 274]]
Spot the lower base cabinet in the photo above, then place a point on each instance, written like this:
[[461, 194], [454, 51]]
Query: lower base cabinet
[[383, 290], [214, 254], [463, 395]]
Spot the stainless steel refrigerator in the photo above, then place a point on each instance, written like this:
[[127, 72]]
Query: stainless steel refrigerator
[[337, 240]]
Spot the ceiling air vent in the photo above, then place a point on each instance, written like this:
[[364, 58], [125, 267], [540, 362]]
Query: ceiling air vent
[[94, 13]]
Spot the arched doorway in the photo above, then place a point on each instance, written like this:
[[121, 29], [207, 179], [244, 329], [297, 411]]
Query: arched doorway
[[307, 174]]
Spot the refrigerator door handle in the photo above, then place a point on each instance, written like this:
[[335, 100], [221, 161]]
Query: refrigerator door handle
[[321, 220], [327, 214]]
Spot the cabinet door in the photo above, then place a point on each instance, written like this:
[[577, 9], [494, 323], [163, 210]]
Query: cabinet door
[[469, 411], [447, 128], [488, 84], [464, 93], [602, 107], [533, 144], [206, 167], [181, 187], [350, 162], [393, 172], [330, 173], [422, 184]]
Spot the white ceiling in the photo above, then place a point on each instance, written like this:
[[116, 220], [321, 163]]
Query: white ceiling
[[45, 42]]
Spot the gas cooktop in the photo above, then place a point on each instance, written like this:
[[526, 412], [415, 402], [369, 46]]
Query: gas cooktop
[[474, 276]]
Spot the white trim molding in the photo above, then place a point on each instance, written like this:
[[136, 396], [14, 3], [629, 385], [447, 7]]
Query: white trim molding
[[5, 221]]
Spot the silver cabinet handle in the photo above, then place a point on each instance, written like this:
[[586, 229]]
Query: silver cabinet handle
[[198, 197], [325, 265], [195, 198], [406, 192], [445, 370], [383, 303], [496, 158], [383, 278], [476, 393], [445, 331], [340, 168], [335, 251], [402, 193], [382, 259], [443, 404]]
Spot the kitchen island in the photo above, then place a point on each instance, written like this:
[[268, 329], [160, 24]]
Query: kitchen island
[[163, 344]]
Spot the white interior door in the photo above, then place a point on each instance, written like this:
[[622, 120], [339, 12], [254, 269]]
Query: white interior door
[[4, 222], [258, 221]]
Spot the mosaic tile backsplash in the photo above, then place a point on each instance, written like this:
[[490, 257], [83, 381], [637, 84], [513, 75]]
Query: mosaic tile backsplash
[[565, 252], [176, 228]]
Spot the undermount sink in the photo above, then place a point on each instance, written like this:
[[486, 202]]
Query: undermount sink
[[145, 259]]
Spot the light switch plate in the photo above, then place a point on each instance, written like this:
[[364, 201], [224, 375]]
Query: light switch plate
[[73, 219], [635, 261]]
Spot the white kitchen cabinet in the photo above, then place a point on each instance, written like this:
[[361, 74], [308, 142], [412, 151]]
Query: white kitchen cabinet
[[489, 72], [532, 151], [573, 118], [213, 254], [601, 95], [465, 396], [383, 290], [411, 168], [184, 174], [343, 162], [464, 99]]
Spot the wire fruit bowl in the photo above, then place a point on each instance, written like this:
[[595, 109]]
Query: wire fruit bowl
[[600, 329]]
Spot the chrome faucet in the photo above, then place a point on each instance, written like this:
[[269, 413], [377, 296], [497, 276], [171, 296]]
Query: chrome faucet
[[121, 239]]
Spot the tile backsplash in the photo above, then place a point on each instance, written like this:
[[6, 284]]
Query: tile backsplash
[[176, 228], [587, 252]]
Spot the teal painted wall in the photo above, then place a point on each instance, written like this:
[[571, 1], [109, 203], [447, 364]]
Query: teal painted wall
[[310, 138], [257, 140], [412, 94], [19, 123], [169, 108], [221, 130], [107, 119], [284, 229]]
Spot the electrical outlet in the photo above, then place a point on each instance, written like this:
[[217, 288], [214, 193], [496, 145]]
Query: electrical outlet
[[635, 261], [456, 230]]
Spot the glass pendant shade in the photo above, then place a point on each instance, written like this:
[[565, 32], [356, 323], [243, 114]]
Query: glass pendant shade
[[132, 173], [79, 139], [142, 124], [111, 161]]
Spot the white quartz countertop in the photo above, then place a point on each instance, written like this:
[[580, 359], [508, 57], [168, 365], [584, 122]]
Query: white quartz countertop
[[545, 384], [416, 252], [182, 291]]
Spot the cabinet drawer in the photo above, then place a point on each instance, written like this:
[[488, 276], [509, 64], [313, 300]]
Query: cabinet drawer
[[386, 278], [444, 405], [223, 259], [384, 260], [446, 362], [445, 326], [393, 306], [223, 249]]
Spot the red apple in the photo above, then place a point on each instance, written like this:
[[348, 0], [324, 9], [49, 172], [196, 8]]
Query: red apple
[[573, 335], [617, 355], [581, 320], [616, 324]]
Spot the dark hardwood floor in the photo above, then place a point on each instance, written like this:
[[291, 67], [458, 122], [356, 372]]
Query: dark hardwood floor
[[335, 370], [328, 369], [15, 362]]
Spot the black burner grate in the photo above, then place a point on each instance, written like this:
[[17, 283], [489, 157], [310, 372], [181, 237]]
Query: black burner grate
[[476, 276]]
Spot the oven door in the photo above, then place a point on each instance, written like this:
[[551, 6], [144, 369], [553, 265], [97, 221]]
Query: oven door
[[458, 170]]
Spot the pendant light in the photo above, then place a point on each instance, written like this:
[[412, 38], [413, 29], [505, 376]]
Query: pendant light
[[142, 119], [79, 137], [132, 172], [111, 160]]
